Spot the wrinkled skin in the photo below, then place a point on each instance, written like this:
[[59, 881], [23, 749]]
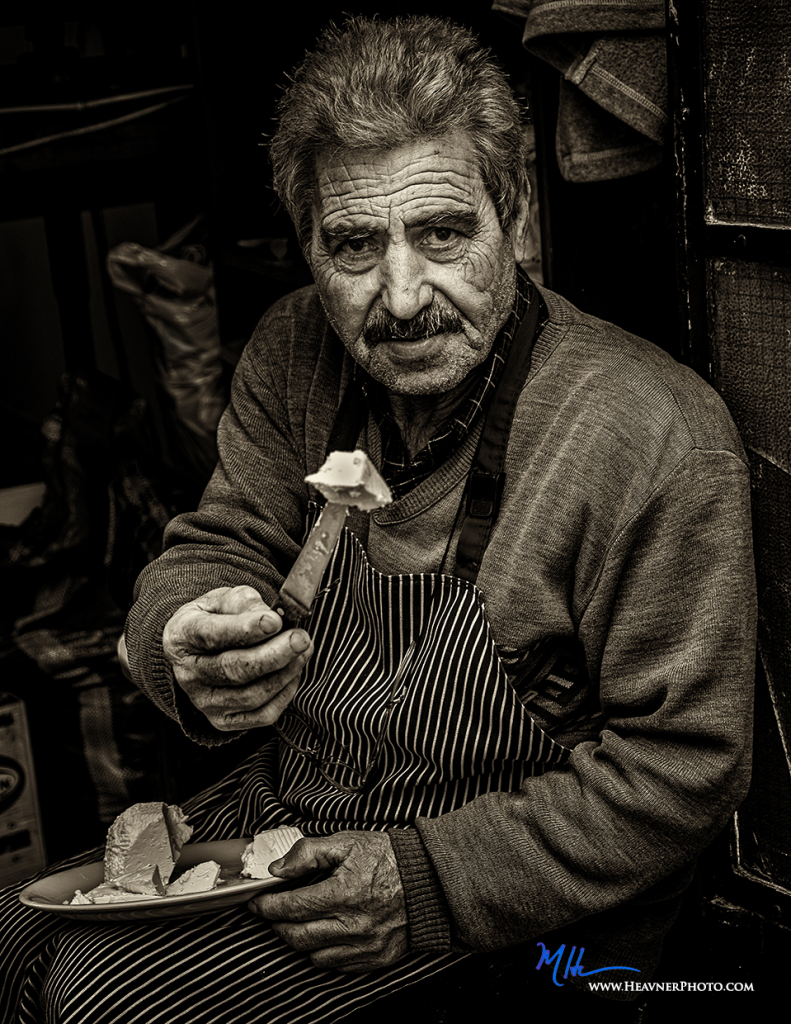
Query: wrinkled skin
[[394, 233], [353, 921], [400, 229], [232, 661]]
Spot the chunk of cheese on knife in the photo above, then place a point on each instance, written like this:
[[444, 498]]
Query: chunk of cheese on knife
[[350, 478]]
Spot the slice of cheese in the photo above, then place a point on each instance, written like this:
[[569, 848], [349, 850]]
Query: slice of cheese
[[200, 878], [267, 847], [350, 478]]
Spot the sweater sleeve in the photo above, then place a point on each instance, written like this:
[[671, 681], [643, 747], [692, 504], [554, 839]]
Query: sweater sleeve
[[247, 529], [669, 635]]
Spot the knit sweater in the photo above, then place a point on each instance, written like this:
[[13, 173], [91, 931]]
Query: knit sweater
[[624, 529]]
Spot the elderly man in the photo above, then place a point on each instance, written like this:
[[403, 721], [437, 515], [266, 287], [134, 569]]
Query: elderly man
[[520, 706]]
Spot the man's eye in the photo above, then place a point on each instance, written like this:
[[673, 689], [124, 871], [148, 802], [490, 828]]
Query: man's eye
[[356, 245], [441, 236]]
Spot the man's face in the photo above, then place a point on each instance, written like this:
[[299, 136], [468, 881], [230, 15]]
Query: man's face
[[413, 268]]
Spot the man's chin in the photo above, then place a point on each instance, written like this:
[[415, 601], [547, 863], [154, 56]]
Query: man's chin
[[420, 376], [413, 351]]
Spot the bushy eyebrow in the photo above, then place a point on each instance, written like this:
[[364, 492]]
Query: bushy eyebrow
[[467, 221], [344, 230]]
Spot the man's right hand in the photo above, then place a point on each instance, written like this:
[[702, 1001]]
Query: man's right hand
[[231, 659]]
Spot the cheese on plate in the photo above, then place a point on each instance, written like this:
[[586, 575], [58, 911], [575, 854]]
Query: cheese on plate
[[267, 847], [146, 836], [200, 878]]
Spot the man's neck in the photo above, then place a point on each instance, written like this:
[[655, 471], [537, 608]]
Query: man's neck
[[419, 417]]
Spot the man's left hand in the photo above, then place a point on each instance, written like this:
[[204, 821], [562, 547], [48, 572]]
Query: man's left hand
[[355, 920]]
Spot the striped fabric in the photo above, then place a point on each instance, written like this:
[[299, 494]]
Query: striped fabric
[[458, 730]]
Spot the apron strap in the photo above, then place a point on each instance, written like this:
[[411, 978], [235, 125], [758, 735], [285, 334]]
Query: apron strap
[[486, 480], [349, 421]]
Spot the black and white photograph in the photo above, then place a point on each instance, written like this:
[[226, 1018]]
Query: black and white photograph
[[395, 511]]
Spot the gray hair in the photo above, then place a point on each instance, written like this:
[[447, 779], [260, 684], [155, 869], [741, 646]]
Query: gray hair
[[381, 84]]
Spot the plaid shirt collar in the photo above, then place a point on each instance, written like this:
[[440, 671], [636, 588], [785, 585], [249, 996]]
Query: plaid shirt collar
[[403, 473]]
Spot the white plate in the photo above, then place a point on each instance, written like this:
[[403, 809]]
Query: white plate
[[53, 892]]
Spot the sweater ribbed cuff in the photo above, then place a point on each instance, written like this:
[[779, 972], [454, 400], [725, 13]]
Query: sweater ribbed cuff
[[426, 907]]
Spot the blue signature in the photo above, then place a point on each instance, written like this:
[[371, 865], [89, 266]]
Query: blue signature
[[573, 969]]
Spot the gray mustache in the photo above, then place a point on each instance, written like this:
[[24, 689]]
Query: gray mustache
[[381, 325]]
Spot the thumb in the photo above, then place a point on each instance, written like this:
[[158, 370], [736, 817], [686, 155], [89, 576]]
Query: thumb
[[310, 855]]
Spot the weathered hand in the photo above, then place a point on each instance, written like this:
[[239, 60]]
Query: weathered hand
[[353, 921], [231, 660]]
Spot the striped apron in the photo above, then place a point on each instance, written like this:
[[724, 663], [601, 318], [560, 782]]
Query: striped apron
[[405, 689]]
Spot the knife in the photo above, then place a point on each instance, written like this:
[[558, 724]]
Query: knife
[[346, 478]]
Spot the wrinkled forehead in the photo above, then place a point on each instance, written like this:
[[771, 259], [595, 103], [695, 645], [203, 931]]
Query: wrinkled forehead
[[426, 177]]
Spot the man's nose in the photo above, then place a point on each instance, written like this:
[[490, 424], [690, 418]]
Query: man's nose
[[405, 287]]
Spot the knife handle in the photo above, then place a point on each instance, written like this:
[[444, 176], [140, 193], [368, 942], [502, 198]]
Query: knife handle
[[299, 589]]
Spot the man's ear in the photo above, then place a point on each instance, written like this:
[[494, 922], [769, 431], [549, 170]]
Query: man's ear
[[520, 228]]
